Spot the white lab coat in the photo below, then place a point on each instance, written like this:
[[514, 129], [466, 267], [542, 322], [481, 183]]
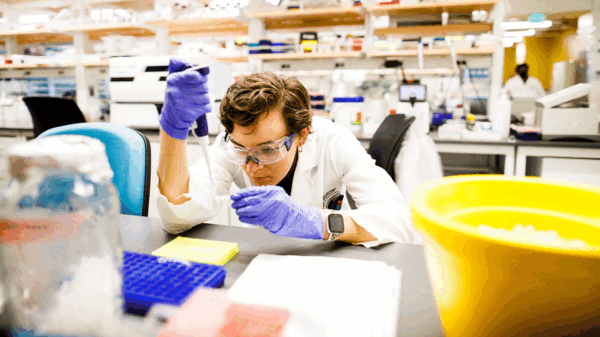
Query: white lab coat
[[517, 87], [331, 163]]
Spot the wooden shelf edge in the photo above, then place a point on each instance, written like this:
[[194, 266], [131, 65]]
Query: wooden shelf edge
[[304, 56], [434, 52], [429, 6], [436, 30], [101, 26], [307, 13], [48, 66], [313, 73], [204, 26], [206, 21], [233, 59], [14, 33]]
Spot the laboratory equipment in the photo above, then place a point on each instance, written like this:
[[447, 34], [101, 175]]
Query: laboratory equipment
[[439, 118], [557, 119], [501, 115], [137, 88], [522, 104], [451, 130], [347, 111], [200, 130], [525, 132], [308, 42], [151, 279], [60, 235], [317, 104], [568, 73], [413, 102], [262, 47], [374, 116], [544, 275], [198, 250]]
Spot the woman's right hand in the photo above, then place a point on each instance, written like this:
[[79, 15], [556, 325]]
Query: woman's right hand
[[186, 99]]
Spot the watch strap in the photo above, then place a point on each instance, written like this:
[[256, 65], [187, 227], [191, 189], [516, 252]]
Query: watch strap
[[333, 237]]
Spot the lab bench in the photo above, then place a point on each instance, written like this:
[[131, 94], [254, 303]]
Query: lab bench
[[417, 316], [518, 158], [451, 149]]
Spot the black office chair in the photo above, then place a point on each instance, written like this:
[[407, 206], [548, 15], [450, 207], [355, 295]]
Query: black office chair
[[51, 112], [387, 141], [385, 145]]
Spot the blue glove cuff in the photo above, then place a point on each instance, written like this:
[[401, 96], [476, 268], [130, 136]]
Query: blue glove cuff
[[313, 228], [171, 130]]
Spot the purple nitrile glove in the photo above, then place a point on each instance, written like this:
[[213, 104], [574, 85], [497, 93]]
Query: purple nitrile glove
[[275, 210], [186, 99]]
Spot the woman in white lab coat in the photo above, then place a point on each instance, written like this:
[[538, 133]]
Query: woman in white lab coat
[[291, 168]]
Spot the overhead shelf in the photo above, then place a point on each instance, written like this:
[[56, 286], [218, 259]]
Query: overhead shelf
[[436, 30], [64, 35], [311, 18], [356, 54], [433, 52], [304, 56], [204, 26], [97, 31], [45, 66], [219, 26], [36, 37], [328, 72], [459, 6], [233, 59]]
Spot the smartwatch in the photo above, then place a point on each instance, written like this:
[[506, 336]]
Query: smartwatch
[[335, 226]]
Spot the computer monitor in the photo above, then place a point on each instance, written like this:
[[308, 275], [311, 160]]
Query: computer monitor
[[419, 91]]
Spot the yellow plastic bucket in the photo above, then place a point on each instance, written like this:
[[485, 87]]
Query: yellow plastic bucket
[[492, 286]]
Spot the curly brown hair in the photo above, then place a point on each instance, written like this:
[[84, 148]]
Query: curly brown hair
[[257, 94]]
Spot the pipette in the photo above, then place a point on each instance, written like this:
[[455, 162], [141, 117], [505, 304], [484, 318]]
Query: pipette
[[200, 130]]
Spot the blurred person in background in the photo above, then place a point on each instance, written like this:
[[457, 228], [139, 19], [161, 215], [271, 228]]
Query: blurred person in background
[[524, 85]]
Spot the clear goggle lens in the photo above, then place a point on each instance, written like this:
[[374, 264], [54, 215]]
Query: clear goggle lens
[[264, 154]]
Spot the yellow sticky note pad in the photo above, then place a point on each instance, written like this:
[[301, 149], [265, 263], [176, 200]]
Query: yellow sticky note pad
[[198, 250]]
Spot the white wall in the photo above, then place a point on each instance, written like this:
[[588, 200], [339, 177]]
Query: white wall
[[520, 7]]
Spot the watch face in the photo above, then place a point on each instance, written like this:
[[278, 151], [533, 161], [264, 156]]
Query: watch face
[[336, 223]]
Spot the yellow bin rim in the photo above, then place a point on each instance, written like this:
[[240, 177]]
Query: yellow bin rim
[[420, 205]]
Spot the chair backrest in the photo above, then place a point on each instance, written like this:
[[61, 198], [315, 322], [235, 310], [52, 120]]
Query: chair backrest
[[50, 112], [387, 141], [128, 153]]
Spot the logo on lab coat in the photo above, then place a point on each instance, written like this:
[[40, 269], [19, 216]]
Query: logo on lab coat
[[330, 197]]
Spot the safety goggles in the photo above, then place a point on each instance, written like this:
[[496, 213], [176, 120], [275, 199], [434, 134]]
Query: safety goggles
[[261, 155]]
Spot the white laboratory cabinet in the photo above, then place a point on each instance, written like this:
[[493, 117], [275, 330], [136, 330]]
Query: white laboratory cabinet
[[584, 171]]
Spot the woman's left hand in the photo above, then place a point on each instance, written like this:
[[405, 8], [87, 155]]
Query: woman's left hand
[[272, 208]]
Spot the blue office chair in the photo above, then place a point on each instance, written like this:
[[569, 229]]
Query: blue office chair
[[129, 157]]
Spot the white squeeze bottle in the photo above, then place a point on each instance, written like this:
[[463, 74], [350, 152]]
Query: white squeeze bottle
[[501, 120]]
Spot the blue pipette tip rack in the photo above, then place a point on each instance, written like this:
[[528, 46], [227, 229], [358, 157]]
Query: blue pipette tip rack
[[149, 279]]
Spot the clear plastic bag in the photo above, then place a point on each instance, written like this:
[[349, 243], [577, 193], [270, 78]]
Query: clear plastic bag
[[60, 238], [417, 162]]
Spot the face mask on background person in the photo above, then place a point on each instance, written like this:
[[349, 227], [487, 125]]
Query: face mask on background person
[[524, 73]]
